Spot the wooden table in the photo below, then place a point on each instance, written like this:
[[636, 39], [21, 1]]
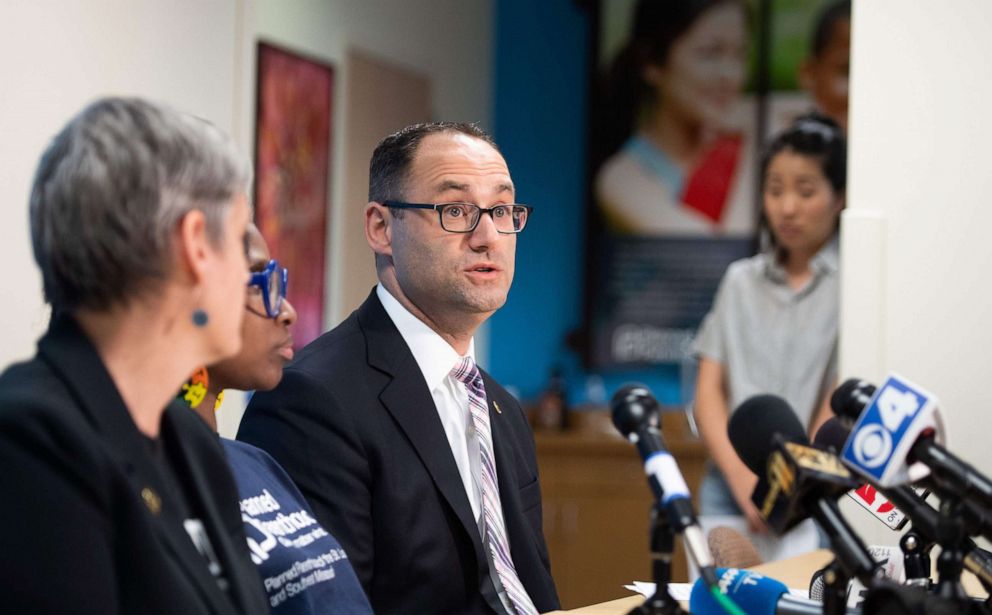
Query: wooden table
[[795, 572]]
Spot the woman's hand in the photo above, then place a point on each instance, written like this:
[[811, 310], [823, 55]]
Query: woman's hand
[[741, 487]]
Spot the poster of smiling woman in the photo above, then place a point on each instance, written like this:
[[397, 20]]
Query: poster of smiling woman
[[684, 91]]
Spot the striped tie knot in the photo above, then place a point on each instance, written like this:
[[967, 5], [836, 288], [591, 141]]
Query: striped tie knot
[[466, 372]]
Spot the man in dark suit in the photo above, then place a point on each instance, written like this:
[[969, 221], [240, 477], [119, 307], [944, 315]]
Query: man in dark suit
[[421, 464]]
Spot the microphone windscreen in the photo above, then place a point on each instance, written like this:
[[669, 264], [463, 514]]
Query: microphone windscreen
[[850, 398], [631, 407], [831, 435], [816, 585], [731, 549], [753, 593], [755, 422]]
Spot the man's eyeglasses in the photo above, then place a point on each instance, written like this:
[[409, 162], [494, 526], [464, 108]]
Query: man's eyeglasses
[[271, 284], [464, 217]]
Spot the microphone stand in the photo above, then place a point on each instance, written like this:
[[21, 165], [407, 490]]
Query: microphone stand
[[835, 583], [950, 562], [662, 545], [916, 558]]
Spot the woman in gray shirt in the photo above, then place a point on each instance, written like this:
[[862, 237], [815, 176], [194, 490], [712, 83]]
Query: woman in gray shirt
[[773, 325]]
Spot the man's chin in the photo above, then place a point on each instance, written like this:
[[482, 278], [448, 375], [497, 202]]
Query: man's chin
[[486, 304]]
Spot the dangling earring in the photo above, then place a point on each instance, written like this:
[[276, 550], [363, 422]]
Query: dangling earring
[[195, 389], [200, 318]]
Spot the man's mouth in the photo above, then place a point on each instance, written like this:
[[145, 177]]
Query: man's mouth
[[484, 268]]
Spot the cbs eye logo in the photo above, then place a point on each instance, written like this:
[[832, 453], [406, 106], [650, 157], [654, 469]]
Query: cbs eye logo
[[872, 446]]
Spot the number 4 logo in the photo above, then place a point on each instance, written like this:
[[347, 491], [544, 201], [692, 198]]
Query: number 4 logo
[[895, 406]]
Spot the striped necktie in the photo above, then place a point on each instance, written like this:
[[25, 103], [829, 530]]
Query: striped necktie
[[467, 373]]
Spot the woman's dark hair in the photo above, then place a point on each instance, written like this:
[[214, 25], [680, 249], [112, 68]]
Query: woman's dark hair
[[656, 25], [814, 136], [823, 29]]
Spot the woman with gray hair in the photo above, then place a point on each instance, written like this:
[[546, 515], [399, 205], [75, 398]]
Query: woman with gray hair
[[114, 500]]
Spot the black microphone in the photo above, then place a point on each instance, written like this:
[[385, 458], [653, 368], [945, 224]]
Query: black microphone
[[796, 481], [831, 437], [635, 415], [951, 476], [833, 434], [849, 399]]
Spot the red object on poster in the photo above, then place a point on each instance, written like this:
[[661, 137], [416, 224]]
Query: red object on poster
[[292, 175], [708, 185]]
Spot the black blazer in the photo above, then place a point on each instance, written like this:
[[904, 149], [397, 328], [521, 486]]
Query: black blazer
[[354, 424], [87, 527]]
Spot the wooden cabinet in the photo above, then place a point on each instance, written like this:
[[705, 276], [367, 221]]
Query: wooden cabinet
[[597, 507]]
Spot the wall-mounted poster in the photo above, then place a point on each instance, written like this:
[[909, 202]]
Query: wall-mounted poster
[[292, 176], [684, 91]]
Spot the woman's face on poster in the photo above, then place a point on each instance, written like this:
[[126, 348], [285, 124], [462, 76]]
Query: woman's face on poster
[[706, 68]]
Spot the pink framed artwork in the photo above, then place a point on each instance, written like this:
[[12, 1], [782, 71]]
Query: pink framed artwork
[[292, 175]]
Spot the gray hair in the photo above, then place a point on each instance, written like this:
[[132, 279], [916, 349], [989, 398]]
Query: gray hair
[[110, 190]]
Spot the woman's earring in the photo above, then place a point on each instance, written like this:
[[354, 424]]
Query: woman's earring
[[195, 389], [200, 318]]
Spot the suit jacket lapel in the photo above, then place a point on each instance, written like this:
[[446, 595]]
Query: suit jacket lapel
[[71, 355], [524, 545], [408, 400], [506, 471], [232, 557]]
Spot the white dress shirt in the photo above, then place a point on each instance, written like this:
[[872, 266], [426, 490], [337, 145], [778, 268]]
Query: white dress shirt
[[436, 357]]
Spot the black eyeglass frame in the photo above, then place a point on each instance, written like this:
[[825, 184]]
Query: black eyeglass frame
[[482, 210]]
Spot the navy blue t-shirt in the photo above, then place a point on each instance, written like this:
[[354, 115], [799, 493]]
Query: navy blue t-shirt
[[304, 569]]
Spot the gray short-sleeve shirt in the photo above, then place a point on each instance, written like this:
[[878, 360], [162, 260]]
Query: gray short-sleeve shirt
[[772, 339]]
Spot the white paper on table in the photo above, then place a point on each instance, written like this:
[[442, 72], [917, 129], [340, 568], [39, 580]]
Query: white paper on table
[[682, 591]]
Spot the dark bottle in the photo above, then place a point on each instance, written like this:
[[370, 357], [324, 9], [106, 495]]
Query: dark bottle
[[552, 406]]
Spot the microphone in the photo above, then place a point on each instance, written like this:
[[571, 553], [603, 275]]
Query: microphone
[[924, 518], [753, 593], [850, 398], [730, 546], [896, 439], [831, 436], [635, 415], [796, 481]]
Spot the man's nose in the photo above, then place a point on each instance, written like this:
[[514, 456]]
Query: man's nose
[[485, 232]]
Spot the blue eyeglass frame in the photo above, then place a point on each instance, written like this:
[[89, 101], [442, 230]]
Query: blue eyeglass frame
[[261, 280]]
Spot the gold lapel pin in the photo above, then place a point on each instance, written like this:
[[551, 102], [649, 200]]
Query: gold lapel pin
[[152, 501], [498, 411]]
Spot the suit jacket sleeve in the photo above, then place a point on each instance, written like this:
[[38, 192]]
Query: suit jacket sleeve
[[301, 421], [48, 565]]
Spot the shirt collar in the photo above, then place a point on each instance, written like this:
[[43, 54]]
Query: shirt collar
[[434, 356], [824, 262]]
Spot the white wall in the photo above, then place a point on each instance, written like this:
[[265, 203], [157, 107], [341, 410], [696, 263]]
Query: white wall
[[199, 55], [57, 56], [916, 248]]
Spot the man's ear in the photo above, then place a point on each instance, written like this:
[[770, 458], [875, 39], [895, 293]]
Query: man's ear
[[194, 245], [379, 228]]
